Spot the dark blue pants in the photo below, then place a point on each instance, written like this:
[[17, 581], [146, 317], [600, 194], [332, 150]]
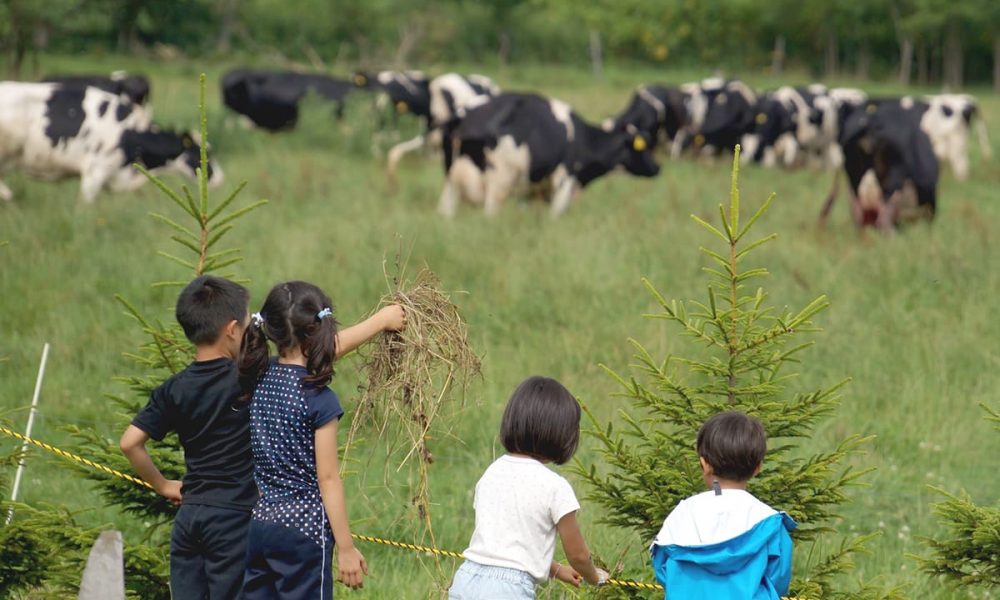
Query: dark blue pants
[[207, 550], [284, 564]]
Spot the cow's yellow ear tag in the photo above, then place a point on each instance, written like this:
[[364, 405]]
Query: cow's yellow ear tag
[[699, 140], [402, 107], [871, 108], [187, 142], [638, 144], [761, 118], [360, 80]]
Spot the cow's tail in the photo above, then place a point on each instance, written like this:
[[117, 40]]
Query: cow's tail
[[828, 204], [985, 150]]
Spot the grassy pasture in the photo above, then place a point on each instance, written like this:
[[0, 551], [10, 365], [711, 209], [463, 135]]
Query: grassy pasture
[[911, 320]]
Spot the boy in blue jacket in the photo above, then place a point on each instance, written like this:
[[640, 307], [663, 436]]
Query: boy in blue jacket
[[725, 543]]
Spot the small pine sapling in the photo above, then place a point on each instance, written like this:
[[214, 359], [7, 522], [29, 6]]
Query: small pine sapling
[[164, 352], [970, 556]]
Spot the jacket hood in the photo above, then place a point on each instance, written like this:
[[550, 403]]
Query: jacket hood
[[732, 556]]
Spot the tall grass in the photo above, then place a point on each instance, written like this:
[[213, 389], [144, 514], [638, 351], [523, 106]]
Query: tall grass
[[911, 321]]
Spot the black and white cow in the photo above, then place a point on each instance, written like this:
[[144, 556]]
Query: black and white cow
[[52, 132], [772, 137], [656, 110], [407, 91], [516, 140], [133, 87], [270, 99], [816, 126], [890, 165], [947, 119], [719, 112], [451, 97]]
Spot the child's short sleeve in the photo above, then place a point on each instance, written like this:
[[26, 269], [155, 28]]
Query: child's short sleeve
[[563, 500], [323, 408], [156, 419]]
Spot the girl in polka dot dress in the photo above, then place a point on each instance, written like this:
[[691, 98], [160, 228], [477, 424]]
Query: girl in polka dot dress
[[301, 512]]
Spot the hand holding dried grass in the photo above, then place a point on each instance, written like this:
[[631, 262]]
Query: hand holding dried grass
[[411, 375]]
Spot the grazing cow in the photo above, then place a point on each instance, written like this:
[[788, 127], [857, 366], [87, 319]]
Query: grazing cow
[[773, 133], [815, 122], [656, 110], [451, 97], [133, 87], [270, 99], [890, 166], [516, 140], [408, 91], [52, 132], [947, 120], [720, 112]]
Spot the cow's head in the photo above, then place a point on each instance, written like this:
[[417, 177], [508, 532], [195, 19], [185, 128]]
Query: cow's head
[[637, 157], [167, 152], [134, 87], [771, 121]]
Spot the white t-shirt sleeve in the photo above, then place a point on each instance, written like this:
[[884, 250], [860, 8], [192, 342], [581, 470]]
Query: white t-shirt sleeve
[[563, 501]]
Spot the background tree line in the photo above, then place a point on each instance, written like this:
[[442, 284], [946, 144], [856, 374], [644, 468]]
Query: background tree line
[[950, 42]]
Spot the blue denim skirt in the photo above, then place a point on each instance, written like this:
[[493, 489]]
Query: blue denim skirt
[[474, 581]]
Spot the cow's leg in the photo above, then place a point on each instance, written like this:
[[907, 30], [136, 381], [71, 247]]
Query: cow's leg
[[91, 182], [678, 146], [563, 188], [449, 200], [397, 152], [495, 182], [5, 194], [886, 220]]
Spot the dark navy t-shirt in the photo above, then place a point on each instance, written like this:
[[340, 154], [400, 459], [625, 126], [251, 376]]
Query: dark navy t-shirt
[[284, 417], [201, 403]]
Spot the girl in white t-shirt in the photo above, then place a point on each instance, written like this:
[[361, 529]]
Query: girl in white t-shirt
[[521, 504]]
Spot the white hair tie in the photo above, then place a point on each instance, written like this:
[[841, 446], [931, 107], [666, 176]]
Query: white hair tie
[[326, 312], [257, 320]]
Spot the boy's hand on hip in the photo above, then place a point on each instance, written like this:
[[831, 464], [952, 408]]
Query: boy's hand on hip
[[568, 575], [171, 490], [352, 567], [393, 318]]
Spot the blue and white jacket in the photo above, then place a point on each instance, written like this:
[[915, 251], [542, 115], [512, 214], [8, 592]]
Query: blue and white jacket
[[726, 546]]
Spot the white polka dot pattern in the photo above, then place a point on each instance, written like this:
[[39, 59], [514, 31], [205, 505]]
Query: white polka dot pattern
[[284, 453]]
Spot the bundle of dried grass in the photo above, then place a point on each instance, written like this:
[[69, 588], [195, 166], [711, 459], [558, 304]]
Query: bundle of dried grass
[[412, 376]]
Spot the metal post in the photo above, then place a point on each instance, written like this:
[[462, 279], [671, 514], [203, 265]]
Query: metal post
[[27, 432]]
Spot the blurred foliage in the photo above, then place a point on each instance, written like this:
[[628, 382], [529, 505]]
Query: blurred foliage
[[970, 554], [863, 37]]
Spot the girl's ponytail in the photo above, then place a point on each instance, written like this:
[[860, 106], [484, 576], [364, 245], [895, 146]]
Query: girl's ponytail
[[254, 356], [319, 346]]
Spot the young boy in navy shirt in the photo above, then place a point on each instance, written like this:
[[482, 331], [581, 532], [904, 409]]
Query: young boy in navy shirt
[[725, 544], [202, 405]]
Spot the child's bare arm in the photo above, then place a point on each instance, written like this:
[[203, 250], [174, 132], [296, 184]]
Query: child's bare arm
[[133, 446], [390, 318], [350, 563], [576, 550]]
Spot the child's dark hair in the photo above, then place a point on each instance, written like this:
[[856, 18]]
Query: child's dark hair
[[208, 304], [542, 420], [295, 313], [734, 444]]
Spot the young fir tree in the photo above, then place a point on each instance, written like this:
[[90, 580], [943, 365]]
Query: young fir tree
[[971, 555], [742, 349], [164, 352]]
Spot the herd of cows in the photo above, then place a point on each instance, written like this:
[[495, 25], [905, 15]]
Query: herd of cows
[[495, 144]]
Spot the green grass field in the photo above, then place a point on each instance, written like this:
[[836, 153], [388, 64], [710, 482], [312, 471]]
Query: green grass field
[[911, 321]]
